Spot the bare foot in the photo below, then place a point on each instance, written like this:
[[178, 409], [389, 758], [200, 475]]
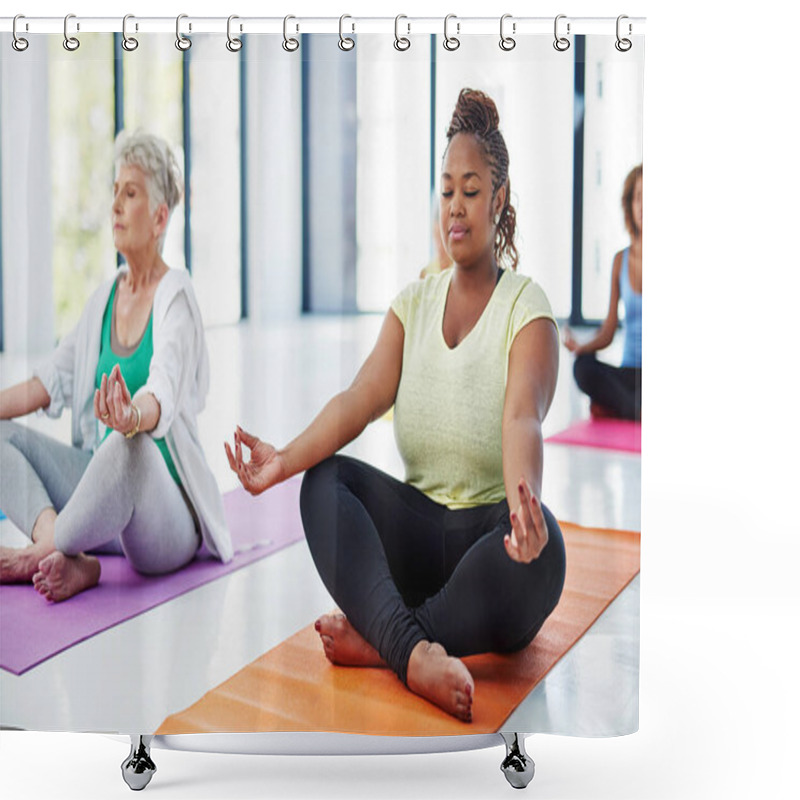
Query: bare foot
[[442, 679], [597, 411], [19, 564], [344, 645], [60, 577]]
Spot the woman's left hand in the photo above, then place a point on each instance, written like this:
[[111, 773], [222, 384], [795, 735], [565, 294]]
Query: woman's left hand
[[112, 402], [528, 536]]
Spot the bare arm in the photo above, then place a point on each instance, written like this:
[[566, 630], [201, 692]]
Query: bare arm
[[532, 373], [605, 333], [343, 418], [23, 398]]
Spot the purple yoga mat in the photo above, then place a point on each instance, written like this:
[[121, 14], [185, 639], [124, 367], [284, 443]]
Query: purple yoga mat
[[608, 434], [33, 629]]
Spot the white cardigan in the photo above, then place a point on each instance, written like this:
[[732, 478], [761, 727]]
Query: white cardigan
[[178, 378]]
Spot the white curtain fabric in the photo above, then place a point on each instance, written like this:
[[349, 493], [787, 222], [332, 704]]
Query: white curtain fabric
[[245, 120]]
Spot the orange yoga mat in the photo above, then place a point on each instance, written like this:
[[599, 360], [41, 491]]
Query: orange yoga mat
[[293, 687]]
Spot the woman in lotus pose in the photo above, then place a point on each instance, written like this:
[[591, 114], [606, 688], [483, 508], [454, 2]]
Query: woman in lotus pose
[[134, 373], [462, 557], [617, 391]]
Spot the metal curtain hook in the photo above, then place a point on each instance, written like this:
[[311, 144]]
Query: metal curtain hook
[[290, 44], [506, 42], [451, 42], [71, 43], [401, 42], [233, 44], [345, 42], [182, 42], [561, 43], [623, 45], [128, 42], [18, 43]]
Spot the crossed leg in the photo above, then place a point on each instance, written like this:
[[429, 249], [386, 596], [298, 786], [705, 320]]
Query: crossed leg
[[411, 578]]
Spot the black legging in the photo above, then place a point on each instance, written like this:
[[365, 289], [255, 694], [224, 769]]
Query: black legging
[[617, 389], [404, 568]]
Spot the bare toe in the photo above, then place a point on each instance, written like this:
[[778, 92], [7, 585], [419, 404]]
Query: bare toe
[[441, 679], [344, 645], [47, 563], [40, 584], [64, 576]]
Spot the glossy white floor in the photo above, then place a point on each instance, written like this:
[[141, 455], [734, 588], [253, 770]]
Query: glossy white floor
[[273, 381]]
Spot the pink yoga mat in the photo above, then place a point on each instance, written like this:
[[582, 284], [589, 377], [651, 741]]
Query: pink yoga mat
[[608, 434], [33, 630]]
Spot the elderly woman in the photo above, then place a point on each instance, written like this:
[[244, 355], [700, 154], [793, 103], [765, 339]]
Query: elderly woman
[[134, 373]]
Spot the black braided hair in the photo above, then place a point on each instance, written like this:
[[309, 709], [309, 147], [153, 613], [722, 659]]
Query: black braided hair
[[476, 113]]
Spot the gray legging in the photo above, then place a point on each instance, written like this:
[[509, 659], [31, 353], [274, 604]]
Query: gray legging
[[121, 499]]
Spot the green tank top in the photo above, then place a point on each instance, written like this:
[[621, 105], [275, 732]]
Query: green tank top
[[134, 367]]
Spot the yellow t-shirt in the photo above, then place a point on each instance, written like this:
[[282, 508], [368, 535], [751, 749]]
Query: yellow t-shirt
[[449, 408]]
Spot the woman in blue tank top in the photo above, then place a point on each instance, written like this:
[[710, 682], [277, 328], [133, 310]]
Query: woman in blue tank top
[[617, 391]]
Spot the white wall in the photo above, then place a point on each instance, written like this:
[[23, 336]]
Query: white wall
[[274, 180]]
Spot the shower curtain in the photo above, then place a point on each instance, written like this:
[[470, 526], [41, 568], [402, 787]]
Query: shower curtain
[[312, 164]]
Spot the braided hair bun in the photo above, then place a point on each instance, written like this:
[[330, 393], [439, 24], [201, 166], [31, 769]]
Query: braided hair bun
[[475, 113]]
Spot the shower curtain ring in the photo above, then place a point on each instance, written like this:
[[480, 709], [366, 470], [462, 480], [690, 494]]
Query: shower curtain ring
[[345, 42], [290, 44], [71, 43], [506, 42], [561, 43], [233, 44], [451, 42], [182, 42], [623, 45], [18, 43], [401, 42], [128, 42]]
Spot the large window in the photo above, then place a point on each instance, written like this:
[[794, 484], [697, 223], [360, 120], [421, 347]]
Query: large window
[[81, 127], [215, 175], [612, 147], [533, 87], [151, 100], [152, 95], [337, 156], [393, 220]]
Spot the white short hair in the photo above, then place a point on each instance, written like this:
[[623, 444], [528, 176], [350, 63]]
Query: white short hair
[[158, 163]]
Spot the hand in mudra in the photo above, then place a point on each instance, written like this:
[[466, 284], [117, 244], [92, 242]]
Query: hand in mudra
[[265, 467], [528, 535], [113, 405], [569, 340]]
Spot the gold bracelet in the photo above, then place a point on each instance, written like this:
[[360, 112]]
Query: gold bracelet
[[131, 433]]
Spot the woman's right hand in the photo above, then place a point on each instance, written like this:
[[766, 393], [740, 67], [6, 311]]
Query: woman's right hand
[[265, 467], [568, 339]]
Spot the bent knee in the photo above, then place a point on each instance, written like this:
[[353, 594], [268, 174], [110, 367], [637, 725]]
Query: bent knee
[[319, 478], [119, 455], [583, 368], [318, 494], [10, 429]]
